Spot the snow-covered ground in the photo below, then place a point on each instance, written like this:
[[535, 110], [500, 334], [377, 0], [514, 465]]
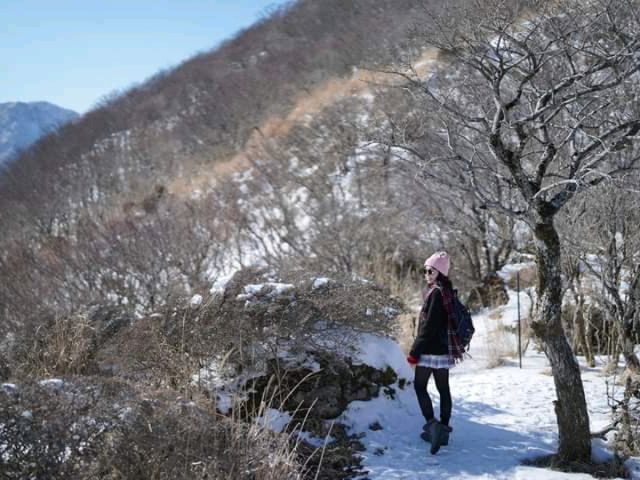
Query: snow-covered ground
[[500, 415]]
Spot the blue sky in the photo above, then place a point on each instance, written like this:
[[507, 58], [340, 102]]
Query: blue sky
[[73, 52]]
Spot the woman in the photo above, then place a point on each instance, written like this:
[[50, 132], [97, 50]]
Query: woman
[[436, 348]]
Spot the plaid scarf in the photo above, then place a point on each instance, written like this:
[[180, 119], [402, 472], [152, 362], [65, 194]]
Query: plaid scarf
[[456, 350]]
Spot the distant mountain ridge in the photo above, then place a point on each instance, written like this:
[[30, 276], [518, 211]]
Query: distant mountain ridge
[[22, 123]]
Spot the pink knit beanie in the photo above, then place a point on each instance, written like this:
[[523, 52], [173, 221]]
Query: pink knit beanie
[[439, 261]]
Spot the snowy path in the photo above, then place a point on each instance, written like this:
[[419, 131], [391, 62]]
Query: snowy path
[[500, 417]]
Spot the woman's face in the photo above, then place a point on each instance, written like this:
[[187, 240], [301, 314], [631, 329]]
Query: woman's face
[[430, 274]]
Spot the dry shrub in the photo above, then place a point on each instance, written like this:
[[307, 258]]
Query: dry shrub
[[489, 292], [192, 444], [528, 278], [105, 342], [612, 368], [166, 348], [47, 432], [255, 326], [58, 346], [143, 353], [402, 280], [501, 343], [406, 331], [107, 429]]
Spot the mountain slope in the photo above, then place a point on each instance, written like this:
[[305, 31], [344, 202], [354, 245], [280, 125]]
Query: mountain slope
[[270, 146], [204, 111], [21, 124]]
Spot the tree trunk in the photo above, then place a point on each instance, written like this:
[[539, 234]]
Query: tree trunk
[[628, 343], [615, 333], [587, 338], [582, 339], [631, 359], [570, 406], [576, 341]]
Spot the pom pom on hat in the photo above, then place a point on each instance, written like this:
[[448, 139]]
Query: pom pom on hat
[[439, 261]]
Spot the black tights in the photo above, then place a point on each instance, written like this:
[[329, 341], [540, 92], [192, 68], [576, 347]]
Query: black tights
[[441, 376]]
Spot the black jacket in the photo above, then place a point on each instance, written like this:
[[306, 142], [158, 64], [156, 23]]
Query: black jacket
[[432, 328]]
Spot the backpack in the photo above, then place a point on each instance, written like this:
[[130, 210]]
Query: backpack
[[464, 323]]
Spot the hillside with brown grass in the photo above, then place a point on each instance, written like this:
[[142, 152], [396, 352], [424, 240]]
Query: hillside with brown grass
[[132, 176], [268, 148]]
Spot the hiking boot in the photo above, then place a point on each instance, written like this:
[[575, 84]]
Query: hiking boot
[[446, 430], [439, 436], [426, 434], [426, 430]]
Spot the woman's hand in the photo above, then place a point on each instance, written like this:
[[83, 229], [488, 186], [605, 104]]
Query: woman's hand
[[412, 360]]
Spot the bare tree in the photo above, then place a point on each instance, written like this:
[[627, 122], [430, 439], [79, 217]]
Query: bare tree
[[602, 233], [542, 107], [483, 238], [579, 326]]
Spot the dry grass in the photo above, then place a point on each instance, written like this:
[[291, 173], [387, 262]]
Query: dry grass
[[406, 329], [333, 90], [285, 456], [612, 368], [528, 278], [58, 347], [501, 343], [405, 287]]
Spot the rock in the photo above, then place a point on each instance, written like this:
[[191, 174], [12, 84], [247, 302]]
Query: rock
[[375, 426], [325, 394]]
